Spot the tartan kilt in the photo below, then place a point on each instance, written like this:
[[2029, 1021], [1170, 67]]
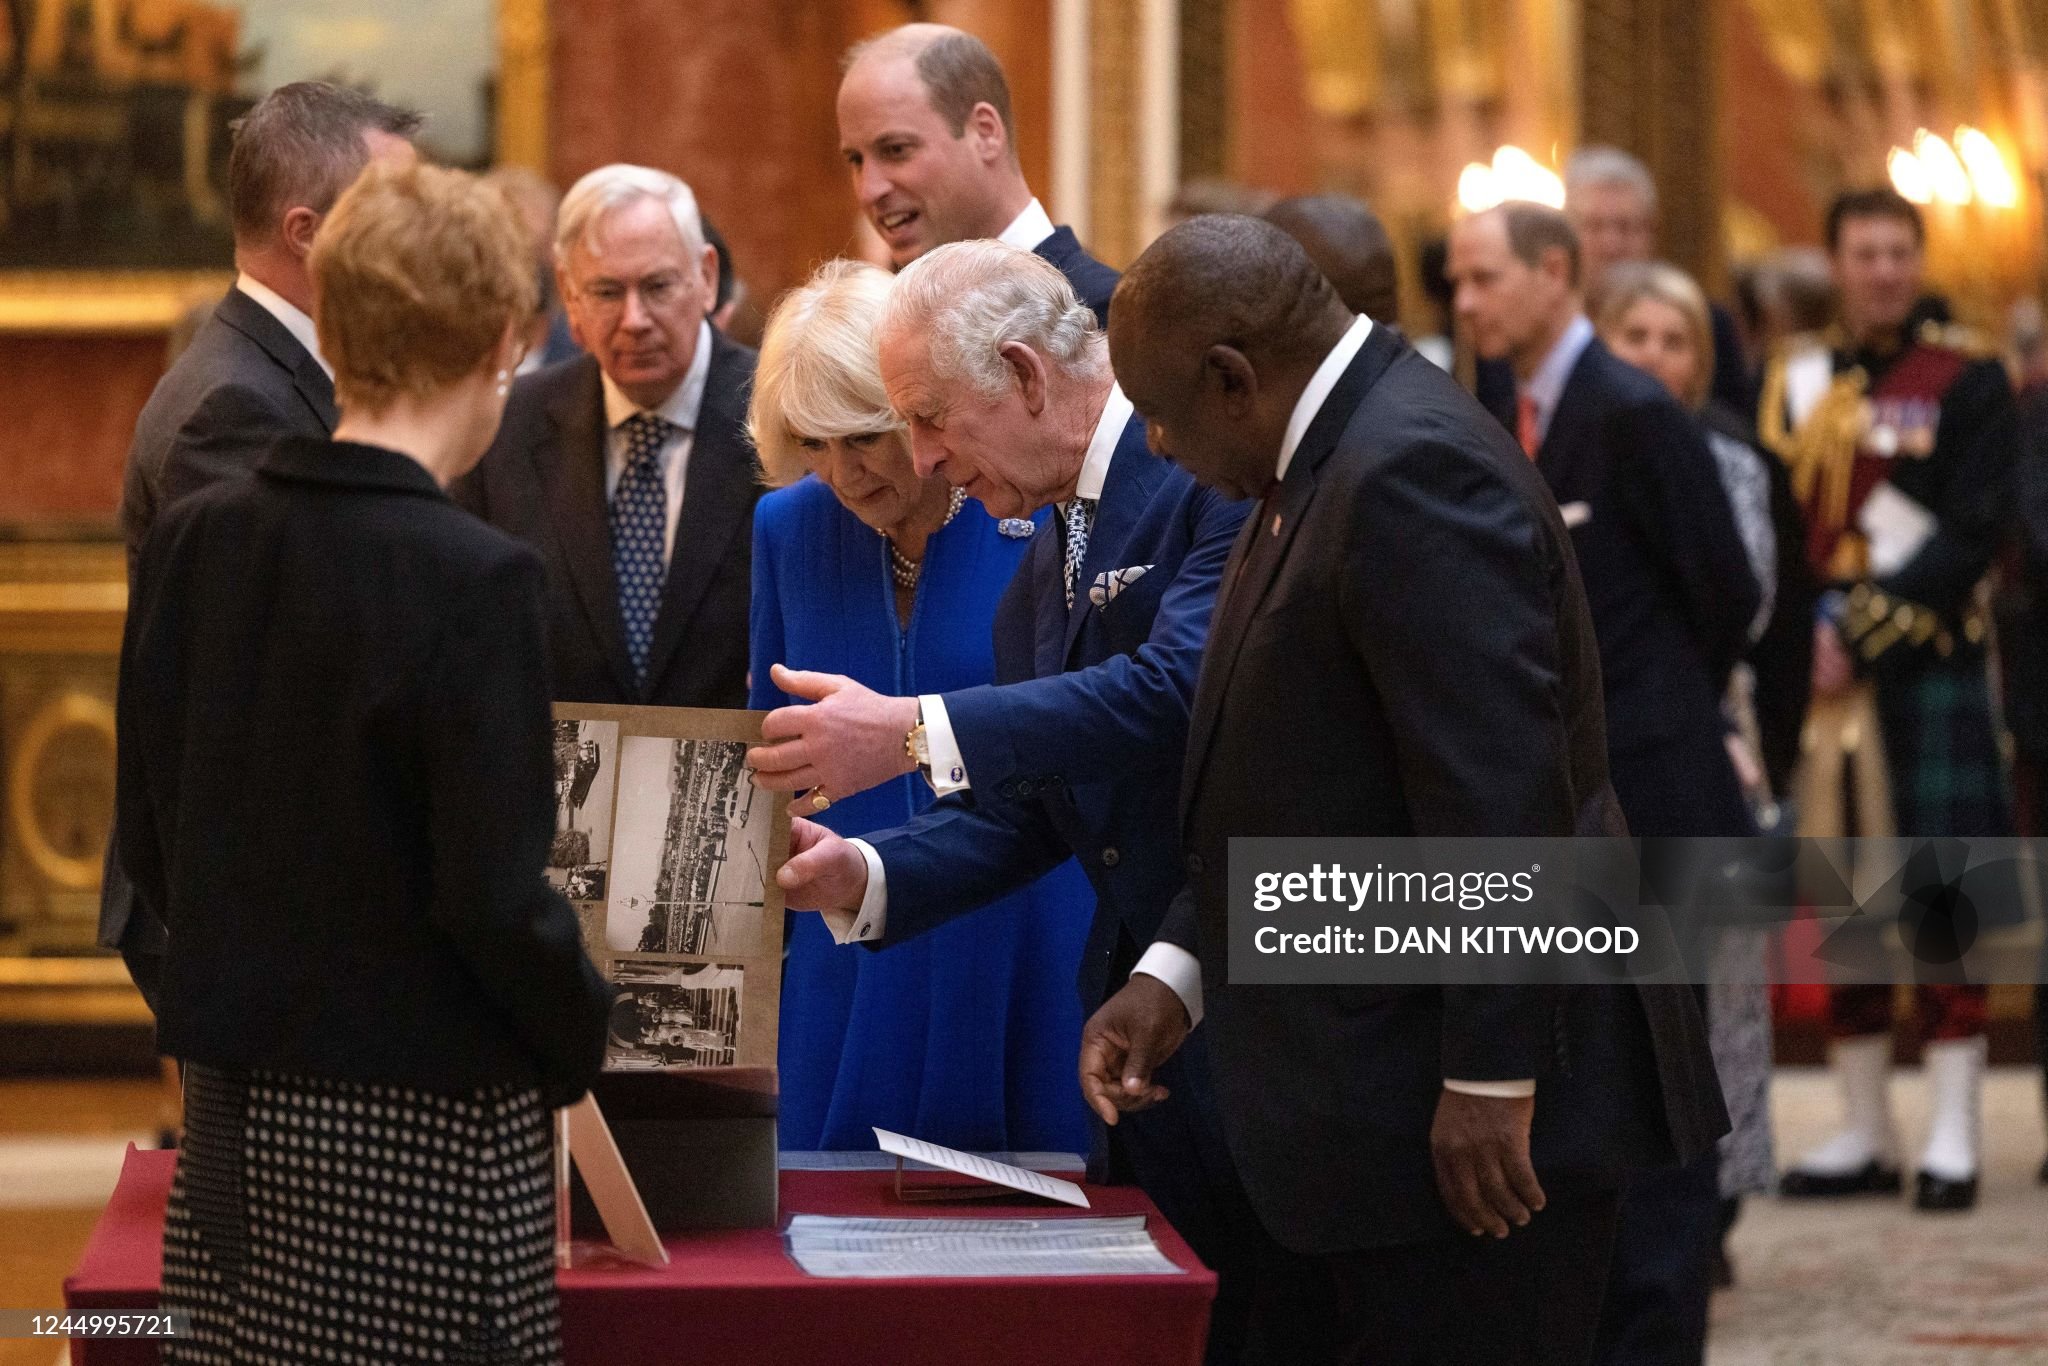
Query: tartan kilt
[[1948, 773]]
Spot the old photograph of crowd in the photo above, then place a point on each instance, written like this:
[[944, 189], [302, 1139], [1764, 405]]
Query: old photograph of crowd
[[670, 853]]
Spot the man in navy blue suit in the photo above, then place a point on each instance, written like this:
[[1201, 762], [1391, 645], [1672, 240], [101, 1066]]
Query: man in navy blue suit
[[925, 127], [1003, 378]]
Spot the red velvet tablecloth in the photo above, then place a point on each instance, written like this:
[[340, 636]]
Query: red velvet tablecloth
[[736, 1296]]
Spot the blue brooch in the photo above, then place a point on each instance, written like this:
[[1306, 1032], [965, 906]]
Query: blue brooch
[[1016, 527]]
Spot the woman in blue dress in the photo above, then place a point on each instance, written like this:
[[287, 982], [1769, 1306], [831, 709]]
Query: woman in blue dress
[[968, 1035]]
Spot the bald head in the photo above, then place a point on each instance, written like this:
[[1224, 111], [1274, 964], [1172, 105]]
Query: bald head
[[1349, 245], [1214, 334]]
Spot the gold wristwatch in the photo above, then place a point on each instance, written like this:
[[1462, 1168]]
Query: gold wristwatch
[[917, 746]]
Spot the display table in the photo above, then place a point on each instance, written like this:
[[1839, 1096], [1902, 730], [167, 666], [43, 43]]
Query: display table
[[735, 1296]]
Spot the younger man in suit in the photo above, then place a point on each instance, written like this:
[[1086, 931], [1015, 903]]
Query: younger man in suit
[[253, 373], [1003, 378], [925, 126], [628, 467], [1402, 647]]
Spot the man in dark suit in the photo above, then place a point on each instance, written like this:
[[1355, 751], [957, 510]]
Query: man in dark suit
[[628, 468], [253, 373], [925, 126], [1075, 750], [1611, 199], [1672, 598], [1402, 647]]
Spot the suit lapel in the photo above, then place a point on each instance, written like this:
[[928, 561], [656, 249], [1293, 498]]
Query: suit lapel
[[1560, 438], [254, 321], [1262, 548], [572, 465], [1046, 566], [1134, 472], [718, 498]]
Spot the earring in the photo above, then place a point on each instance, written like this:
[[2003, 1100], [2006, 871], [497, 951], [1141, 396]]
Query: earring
[[504, 383]]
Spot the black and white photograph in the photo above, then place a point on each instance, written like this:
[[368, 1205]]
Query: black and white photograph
[[672, 1013], [693, 839], [586, 772]]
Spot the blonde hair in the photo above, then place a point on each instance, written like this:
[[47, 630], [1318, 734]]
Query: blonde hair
[[418, 272], [817, 375], [1630, 282]]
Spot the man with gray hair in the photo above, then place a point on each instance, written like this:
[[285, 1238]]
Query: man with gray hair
[[628, 468], [926, 129], [253, 371], [1611, 199], [1003, 378]]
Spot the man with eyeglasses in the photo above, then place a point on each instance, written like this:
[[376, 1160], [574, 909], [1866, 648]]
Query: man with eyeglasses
[[628, 468]]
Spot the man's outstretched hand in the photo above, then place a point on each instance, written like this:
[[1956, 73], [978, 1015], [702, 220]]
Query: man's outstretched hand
[[843, 739], [1480, 1145], [823, 872], [1125, 1041]]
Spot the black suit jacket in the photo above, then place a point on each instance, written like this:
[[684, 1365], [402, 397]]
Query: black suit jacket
[[1091, 279], [543, 481], [1670, 589], [335, 784], [243, 383], [1411, 655]]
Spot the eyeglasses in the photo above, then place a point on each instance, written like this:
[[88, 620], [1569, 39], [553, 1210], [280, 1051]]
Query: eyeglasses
[[657, 292]]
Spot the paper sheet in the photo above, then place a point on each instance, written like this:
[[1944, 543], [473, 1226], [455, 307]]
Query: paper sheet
[[981, 1169], [852, 1161], [833, 1247]]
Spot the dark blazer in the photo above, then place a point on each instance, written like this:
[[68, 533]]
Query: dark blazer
[[336, 785], [1669, 586], [1091, 279], [1076, 748], [1412, 655], [543, 481], [244, 382]]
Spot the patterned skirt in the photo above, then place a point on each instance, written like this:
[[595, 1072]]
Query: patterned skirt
[[333, 1221]]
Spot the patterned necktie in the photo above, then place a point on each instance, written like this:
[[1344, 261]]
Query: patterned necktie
[[639, 525], [1080, 512]]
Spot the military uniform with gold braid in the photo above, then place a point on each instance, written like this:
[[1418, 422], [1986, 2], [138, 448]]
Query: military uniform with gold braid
[[1900, 458]]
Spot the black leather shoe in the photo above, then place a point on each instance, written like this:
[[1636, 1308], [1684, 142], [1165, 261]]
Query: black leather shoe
[[1931, 1192], [1872, 1178]]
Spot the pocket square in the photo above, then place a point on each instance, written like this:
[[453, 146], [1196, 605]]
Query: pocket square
[[1111, 582], [1576, 514]]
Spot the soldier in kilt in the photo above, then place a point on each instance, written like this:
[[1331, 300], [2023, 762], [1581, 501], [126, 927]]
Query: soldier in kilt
[[1900, 436]]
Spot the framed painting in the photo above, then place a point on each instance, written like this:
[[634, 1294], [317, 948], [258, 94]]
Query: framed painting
[[115, 119]]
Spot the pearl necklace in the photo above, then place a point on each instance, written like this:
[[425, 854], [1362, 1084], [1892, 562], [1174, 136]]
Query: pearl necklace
[[905, 570]]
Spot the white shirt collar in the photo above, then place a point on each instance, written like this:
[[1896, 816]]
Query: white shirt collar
[[285, 311], [681, 407], [1319, 386], [1109, 429], [1545, 387], [1028, 228]]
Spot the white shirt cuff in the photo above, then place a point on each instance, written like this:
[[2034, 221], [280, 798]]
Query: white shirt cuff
[[1493, 1090], [1176, 967], [948, 771], [872, 919]]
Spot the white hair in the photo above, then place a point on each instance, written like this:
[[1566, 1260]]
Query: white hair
[[971, 299], [609, 188], [1592, 167]]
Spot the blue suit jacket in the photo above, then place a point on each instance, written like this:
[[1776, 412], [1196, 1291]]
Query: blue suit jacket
[[1091, 279], [1076, 749]]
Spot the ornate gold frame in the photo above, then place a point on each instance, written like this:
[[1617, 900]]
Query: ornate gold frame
[[144, 303]]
